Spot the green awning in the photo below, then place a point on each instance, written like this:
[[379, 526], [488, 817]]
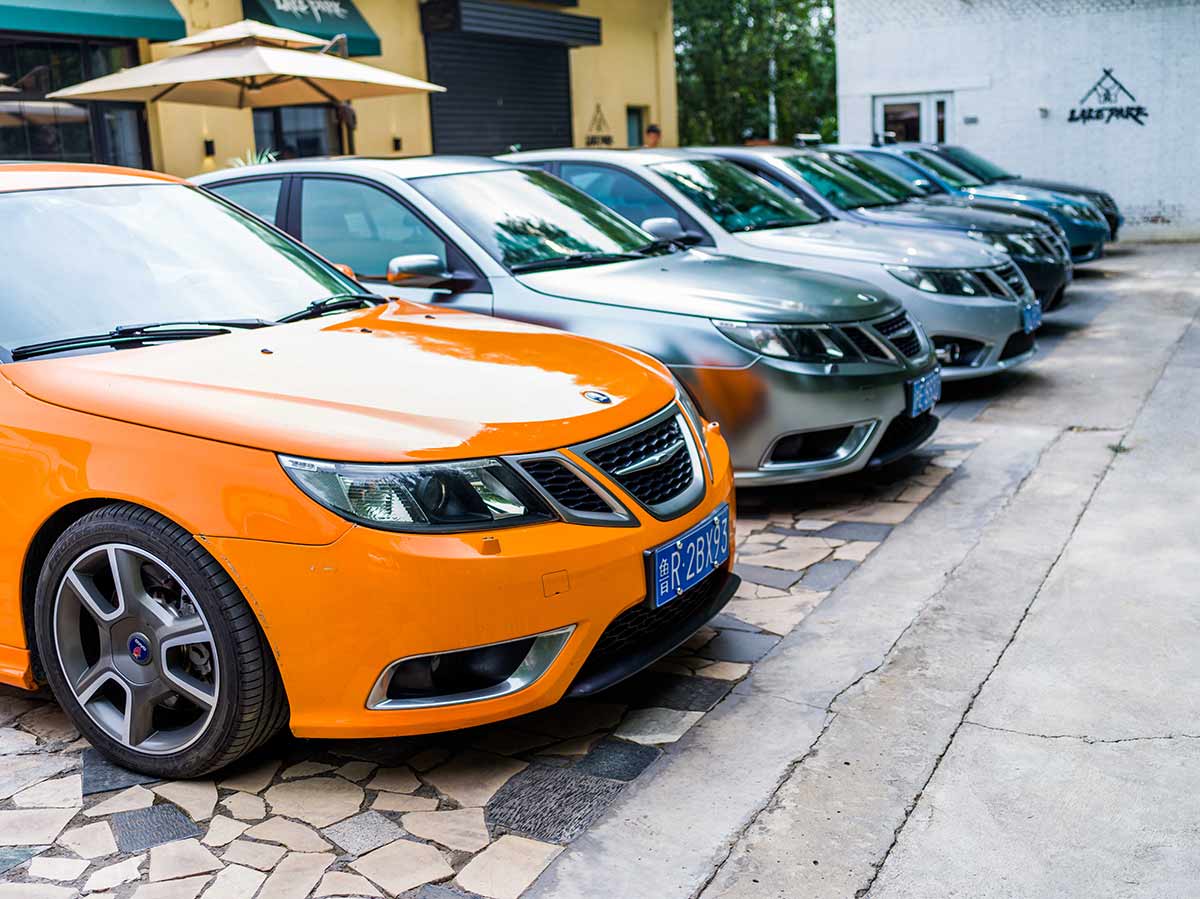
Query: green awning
[[156, 20], [321, 18]]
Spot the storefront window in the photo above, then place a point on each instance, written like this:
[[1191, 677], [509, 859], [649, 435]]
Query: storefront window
[[296, 131], [34, 128]]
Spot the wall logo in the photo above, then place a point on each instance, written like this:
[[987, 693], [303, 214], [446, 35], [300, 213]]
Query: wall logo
[[314, 9], [1112, 102], [598, 133]]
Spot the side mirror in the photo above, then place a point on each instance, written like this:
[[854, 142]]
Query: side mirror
[[665, 228], [417, 270], [345, 270]]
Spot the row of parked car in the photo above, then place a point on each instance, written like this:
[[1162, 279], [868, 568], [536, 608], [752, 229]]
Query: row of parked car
[[248, 485]]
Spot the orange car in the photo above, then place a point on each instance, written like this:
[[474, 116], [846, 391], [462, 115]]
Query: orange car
[[239, 493]]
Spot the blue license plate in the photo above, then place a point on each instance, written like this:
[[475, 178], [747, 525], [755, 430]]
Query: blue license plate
[[924, 392], [1031, 317], [689, 558]]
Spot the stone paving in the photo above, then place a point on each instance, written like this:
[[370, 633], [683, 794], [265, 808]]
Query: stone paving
[[474, 813]]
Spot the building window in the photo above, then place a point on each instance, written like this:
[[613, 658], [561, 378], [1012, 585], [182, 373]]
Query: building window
[[635, 125], [32, 127], [296, 131]]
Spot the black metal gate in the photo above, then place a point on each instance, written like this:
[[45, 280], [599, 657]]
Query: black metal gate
[[499, 94]]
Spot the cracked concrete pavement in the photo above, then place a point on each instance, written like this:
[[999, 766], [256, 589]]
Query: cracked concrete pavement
[[1002, 700]]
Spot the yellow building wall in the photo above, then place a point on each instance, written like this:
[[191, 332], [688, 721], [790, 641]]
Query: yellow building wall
[[178, 130], [382, 119], [634, 66]]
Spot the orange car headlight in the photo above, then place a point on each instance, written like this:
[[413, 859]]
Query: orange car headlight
[[442, 497]]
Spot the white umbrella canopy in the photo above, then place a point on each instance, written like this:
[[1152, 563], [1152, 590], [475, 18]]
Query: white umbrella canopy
[[242, 71], [250, 30]]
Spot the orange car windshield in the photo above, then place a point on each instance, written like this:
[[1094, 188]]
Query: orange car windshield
[[85, 260]]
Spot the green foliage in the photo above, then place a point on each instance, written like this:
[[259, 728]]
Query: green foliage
[[723, 50]]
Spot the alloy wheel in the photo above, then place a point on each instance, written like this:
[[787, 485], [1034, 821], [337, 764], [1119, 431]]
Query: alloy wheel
[[135, 648]]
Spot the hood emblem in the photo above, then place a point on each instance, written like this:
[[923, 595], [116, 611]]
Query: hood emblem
[[597, 397]]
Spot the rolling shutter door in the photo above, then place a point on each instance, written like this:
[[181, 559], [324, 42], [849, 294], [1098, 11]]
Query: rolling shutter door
[[498, 93]]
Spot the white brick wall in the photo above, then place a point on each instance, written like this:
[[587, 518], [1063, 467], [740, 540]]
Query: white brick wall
[[1003, 59]]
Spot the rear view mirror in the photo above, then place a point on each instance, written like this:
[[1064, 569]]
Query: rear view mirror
[[665, 228], [417, 270]]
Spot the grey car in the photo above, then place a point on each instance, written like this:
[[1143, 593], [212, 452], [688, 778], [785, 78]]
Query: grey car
[[831, 190], [974, 302], [809, 374]]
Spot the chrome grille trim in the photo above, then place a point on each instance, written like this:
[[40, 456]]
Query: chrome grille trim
[[616, 516], [675, 505]]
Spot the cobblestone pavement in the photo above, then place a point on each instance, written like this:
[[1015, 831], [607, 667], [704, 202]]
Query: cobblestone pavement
[[473, 813]]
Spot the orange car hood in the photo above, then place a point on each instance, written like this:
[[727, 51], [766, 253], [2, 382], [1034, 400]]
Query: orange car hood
[[395, 383]]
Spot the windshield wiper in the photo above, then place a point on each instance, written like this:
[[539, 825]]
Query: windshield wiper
[[671, 245], [336, 303], [573, 260], [776, 223], [150, 332]]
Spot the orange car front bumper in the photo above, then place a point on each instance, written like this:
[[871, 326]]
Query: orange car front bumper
[[336, 616]]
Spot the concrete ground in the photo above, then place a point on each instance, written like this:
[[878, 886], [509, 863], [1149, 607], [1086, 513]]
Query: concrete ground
[[1002, 701], [969, 675]]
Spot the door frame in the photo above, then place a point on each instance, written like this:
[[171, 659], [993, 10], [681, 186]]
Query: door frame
[[927, 102]]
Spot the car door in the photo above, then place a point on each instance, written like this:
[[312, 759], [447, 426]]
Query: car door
[[362, 225]]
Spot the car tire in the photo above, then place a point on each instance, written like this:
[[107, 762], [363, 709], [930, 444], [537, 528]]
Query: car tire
[[150, 647]]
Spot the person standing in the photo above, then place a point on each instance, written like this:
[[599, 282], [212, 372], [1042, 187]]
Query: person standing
[[653, 136]]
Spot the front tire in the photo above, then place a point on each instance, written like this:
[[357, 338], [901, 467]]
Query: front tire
[[150, 647]]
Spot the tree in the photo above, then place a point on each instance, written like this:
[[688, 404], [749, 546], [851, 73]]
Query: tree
[[723, 51]]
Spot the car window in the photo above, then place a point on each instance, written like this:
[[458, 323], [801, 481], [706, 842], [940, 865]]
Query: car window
[[840, 187], [85, 260], [355, 224], [735, 198], [260, 197], [905, 171], [618, 190], [943, 168], [874, 175], [523, 216], [781, 185]]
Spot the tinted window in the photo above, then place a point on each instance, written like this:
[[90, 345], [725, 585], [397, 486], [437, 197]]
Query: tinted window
[[735, 198], [84, 260], [872, 174], [260, 197], [354, 224], [521, 216], [291, 132], [943, 168], [619, 191], [838, 186], [976, 164], [905, 171]]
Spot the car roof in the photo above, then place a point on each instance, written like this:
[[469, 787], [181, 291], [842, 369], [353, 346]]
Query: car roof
[[757, 150], [631, 158], [18, 176], [404, 167]]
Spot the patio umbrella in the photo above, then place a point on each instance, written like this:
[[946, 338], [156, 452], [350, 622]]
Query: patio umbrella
[[247, 65]]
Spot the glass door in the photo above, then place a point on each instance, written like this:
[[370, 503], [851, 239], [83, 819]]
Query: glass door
[[34, 128], [914, 117]]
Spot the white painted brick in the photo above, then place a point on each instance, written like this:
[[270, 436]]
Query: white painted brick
[[1005, 58]]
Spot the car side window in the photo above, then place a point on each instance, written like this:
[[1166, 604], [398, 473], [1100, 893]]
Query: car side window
[[618, 190], [355, 224], [259, 197]]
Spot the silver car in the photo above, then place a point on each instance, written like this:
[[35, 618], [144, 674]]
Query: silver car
[[809, 374], [974, 302]]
